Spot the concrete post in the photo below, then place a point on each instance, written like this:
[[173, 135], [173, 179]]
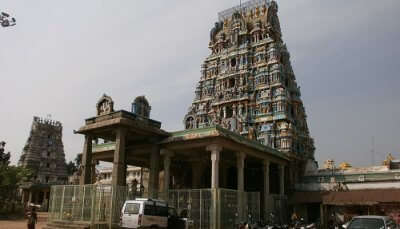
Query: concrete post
[[167, 169], [240, 157], [322, 214], [86, 177], [215, 155], [154, 172], [266, 188], [282, 179], [119, 163]]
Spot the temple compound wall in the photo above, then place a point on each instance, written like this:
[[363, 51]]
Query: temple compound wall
[[43, 153]]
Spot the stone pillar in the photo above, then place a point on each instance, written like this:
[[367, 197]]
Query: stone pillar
[[154, 172], [167, 164], [224, 110], [215, 155], [282, 179], [240, 157], [266, 188], [119, 163], [85, 177], [322, 214], [93, 172]]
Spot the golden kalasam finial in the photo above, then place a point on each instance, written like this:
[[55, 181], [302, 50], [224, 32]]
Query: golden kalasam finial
[[388, 159], [344, 165]]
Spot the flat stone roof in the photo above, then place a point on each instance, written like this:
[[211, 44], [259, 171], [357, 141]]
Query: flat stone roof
[[218, 131]]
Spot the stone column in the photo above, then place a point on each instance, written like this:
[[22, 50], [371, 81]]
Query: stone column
[[86, 177], [215, 155], [266, 187], [167, 164], [224, 110], [240, 157], [282, 179], [119, 163], [93, 172], [154, 172]]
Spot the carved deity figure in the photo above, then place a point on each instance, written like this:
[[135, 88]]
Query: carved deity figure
[[252, 133], [105, 105]]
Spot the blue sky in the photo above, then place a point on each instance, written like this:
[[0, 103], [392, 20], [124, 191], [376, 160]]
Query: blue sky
[[62, 56]]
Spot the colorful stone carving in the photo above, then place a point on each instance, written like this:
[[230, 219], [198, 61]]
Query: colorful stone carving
[[247, 83]]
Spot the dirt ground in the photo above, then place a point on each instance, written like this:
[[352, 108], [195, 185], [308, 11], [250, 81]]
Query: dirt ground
[[21, 223]]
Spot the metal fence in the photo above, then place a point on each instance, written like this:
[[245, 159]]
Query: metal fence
[[101, 205], [198, 204], [92, 204]]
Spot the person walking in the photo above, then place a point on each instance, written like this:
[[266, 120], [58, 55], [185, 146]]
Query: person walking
[[32, 218]]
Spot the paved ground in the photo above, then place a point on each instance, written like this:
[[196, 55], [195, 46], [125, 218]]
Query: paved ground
[[21, 224]]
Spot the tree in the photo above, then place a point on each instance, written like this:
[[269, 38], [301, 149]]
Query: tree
[[10, 179], [73, 166], [4, 157]]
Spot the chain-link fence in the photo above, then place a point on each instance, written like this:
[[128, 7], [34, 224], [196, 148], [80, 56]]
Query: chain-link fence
[[92, 204], [101, 205], [198, 204]]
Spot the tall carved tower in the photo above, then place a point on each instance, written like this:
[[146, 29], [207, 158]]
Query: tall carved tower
[[44, 152], [247, 83]]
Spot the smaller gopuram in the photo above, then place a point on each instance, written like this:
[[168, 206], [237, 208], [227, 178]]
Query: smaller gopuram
[[43, 153]]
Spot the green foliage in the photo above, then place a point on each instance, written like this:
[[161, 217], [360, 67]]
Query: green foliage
[[10, 179], [71, 168]]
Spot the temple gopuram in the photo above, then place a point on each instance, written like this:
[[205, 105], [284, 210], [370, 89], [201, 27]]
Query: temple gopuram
[[247, 83], [43, 153]]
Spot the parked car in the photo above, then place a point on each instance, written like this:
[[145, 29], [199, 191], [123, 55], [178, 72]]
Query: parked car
[[371, 222], [144, 213]]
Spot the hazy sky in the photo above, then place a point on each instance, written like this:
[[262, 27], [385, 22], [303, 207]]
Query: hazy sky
[[63, 55]]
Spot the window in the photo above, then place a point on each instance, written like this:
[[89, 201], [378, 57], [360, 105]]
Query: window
[[366, 223], [48, 165], [155, 210], [233, 62], [132, 208]]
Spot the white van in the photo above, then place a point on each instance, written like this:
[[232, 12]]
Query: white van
[[144, 213]]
